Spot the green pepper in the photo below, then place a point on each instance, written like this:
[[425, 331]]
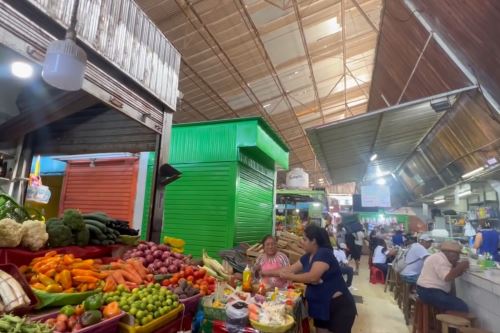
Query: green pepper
[[93, 302], [68, 310], [90, 317]]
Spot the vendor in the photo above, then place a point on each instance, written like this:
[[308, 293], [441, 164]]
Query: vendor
[[330, 303], [487, 241], [271, 259]]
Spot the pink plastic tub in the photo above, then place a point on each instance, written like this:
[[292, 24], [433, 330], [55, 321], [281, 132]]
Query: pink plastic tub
[[106, 326]]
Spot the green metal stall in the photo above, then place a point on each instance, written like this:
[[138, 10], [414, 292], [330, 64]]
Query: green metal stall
[[226, 193]]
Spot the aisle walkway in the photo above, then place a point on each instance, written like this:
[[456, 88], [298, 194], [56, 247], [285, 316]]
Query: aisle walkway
[[378, 313]]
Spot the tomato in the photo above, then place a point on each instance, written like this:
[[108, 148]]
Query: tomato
[[181, 275], [203, 272], [189, 271], [211, 279], [197, 286], [174, 280], [190, 278], [166, 283]]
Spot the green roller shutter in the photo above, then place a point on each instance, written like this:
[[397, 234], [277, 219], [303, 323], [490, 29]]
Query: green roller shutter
[[199, 207], [254, 205], [147, 196]]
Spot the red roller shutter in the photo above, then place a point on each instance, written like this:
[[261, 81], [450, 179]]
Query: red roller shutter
[[109, 186]]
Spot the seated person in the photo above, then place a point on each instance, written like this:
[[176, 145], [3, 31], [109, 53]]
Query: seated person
[[398, 239], [415, 257], [381, 256], [344, 263], [271, 260], [434, 283], [487, 241]]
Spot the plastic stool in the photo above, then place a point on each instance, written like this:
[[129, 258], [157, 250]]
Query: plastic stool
[[376, 275], [472, 330], [468, 316], [451, 321]]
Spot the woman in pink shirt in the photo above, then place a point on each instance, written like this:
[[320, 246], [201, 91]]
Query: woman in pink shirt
[[271, 260]]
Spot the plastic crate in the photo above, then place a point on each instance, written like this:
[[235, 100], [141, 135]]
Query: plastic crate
[[212, 313], [153, 325], [109, 325], [13, 271], [191, 304]]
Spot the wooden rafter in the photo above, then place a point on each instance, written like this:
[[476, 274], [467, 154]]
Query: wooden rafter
[[362, 12]]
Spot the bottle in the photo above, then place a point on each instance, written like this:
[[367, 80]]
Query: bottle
[[247, 280]]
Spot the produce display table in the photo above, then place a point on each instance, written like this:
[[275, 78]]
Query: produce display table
[[19, 256], [299, 314]]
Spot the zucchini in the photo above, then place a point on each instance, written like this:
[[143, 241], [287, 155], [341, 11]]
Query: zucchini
[[96, 232], [96, 224], [97, 217]]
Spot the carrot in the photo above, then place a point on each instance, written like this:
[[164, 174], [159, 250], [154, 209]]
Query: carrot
[[139, 267], [85, 279], [84, 272], [131, 285], [135, 278], [110, 284], [131, 269], [118, 277], [116, 265]]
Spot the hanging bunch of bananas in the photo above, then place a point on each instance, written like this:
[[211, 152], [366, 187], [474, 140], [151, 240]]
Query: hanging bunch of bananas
[[11, 293]]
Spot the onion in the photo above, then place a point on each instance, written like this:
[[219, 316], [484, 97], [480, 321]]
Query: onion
[[177, 255], [142, 247], [149, 259], [138, 254], [153, 248], [172, 269], [163, 247], [165, 255], [157, 254], [151, 268], [158, 264], [151, 244], [163, 270], [148, 252]]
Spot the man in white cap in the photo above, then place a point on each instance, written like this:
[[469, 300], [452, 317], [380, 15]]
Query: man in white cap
[[415, 257], [439, 271]]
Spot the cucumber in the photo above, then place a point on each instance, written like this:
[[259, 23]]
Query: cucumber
[[96, 224], [96, 232], [97, 217]]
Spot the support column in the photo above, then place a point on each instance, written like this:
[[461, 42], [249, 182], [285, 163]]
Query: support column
[[158, 195]]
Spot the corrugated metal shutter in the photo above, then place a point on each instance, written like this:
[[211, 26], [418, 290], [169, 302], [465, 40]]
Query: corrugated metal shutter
[[254, 205], [199, 207], [108, 187]]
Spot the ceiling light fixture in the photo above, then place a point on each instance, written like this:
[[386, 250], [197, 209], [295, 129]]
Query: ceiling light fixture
[[373, 157], [21, 70], [440, 104], [438, 202], [65, 62], [464, 194], [380, 181], [472, 173]]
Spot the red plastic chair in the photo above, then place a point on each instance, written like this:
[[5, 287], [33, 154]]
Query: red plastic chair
[[376, 275]]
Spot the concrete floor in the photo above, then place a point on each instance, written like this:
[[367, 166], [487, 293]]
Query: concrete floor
[[379, 313]]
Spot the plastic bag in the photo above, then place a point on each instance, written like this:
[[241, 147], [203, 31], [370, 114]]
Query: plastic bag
[[237, 316]]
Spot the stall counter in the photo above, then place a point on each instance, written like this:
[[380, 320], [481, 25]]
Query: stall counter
[[481, 291]]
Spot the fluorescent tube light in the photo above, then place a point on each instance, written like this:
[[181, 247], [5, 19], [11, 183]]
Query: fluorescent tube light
[[440, 201], [473, 172], [373, 157], [464, 194]]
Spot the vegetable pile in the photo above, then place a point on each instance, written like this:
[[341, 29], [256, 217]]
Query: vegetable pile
[[190, 281], [9, 208], [92, 311], [11, 324], [130, 274], [144, 303], [69, 230], [158, 259], [56, 273], [122, 227], [30, 234]]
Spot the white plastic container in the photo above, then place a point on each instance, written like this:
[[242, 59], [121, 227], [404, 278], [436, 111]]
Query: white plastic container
[[297, 178]]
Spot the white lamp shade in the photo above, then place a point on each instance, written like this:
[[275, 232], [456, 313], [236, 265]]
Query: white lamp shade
[[64, 65]]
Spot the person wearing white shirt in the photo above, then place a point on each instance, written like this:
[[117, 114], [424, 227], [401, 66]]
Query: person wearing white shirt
[[380, 256], [415, 257], [346, 270]]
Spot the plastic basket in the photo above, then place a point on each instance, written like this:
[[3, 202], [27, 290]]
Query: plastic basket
[[153, 325], [109, 325], [212, 313], [274, 329], [14, 272], [191, 304]]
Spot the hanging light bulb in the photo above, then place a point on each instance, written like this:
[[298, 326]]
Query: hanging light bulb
[[64, 64]]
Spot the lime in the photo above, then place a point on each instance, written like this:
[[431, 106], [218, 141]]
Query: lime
[[169, 301], [157, 285], [168, 309], [142, 286], [150, 307], [156, 314], [175, 305], [140, 314], [116, 298], [122, 304], [145, 320], [157, 304], [162, 311], [125, 308], [132, 311], [135, 290]]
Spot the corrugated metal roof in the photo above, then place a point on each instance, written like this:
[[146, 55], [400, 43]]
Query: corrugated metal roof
[[122, 33], [344, 148]]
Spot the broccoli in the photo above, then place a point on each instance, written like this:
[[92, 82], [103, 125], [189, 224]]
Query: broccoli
[[73, 220], [59, 234], [82, 237]]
